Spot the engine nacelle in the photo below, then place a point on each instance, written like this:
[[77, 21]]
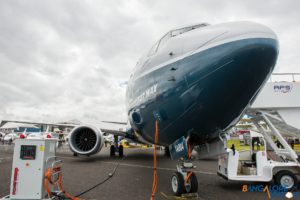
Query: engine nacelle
[[86, 140]]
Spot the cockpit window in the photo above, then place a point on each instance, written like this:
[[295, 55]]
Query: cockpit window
[[153, 49], [186, 29], [173, 33], [164, 39], [160, 43]]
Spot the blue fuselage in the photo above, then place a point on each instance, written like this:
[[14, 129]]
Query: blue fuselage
[[199, 92]]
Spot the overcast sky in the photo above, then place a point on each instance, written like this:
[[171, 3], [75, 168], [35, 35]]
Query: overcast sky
[[61, 60]]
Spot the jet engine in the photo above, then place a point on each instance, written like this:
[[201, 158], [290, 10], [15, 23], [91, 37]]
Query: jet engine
[[86, 140]]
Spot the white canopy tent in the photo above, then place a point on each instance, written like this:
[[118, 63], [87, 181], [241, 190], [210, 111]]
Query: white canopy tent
[[13, 125]]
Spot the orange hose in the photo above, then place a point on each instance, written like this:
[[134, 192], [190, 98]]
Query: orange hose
[[189, 156], [48, 175], [63, 190], [154, 185], [46, 186], [189, 150], [188, 176]]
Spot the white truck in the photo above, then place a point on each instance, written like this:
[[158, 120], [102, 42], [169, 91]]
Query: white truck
[[259, 165]]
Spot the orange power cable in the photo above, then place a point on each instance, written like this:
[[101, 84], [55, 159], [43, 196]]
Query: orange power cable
[[154, 185], [189, 156], [48, 179], [189, 150]]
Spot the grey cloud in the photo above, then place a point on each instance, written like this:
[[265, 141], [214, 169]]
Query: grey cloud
[[61, 60]]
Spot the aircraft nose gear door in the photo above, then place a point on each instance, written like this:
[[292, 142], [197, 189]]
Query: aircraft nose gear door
[[184, 180]]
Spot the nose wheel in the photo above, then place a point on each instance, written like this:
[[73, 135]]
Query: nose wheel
[[191, 185], [184, 180], [180, 186]]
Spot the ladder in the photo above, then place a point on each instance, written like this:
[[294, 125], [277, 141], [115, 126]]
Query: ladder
[[258, 116]]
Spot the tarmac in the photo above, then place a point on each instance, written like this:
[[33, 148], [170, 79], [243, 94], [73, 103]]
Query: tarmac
[[133, 177]]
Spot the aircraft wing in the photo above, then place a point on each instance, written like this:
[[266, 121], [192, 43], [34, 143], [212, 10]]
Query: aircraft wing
[[3, 122], [110, 122], [115, 132], [105, 130]]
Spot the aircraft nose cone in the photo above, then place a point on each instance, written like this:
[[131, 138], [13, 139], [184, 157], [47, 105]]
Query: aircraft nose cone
[[258, 55], [245, 70], [243, 30], [253, 50], [226, 78]]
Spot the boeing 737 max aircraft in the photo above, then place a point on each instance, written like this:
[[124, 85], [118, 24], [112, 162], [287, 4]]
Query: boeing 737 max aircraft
[[196, 82]]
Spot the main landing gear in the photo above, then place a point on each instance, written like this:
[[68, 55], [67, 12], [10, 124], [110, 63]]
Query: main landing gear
[[116, 148]]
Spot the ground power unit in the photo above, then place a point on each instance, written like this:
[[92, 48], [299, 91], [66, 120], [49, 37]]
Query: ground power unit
[[30, 160]]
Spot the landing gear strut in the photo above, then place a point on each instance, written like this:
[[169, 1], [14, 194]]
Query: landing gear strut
[[116, 148]]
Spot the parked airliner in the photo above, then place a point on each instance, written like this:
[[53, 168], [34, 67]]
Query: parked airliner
[[195, 82]]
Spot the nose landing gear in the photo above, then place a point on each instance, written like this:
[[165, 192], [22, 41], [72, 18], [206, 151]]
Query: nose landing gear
[[184, 180]]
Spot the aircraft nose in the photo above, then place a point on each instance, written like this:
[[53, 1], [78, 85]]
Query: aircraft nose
[[253, 48], [245, 65], [246, 30], [228, 76], [255, 59], [243, 51]]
